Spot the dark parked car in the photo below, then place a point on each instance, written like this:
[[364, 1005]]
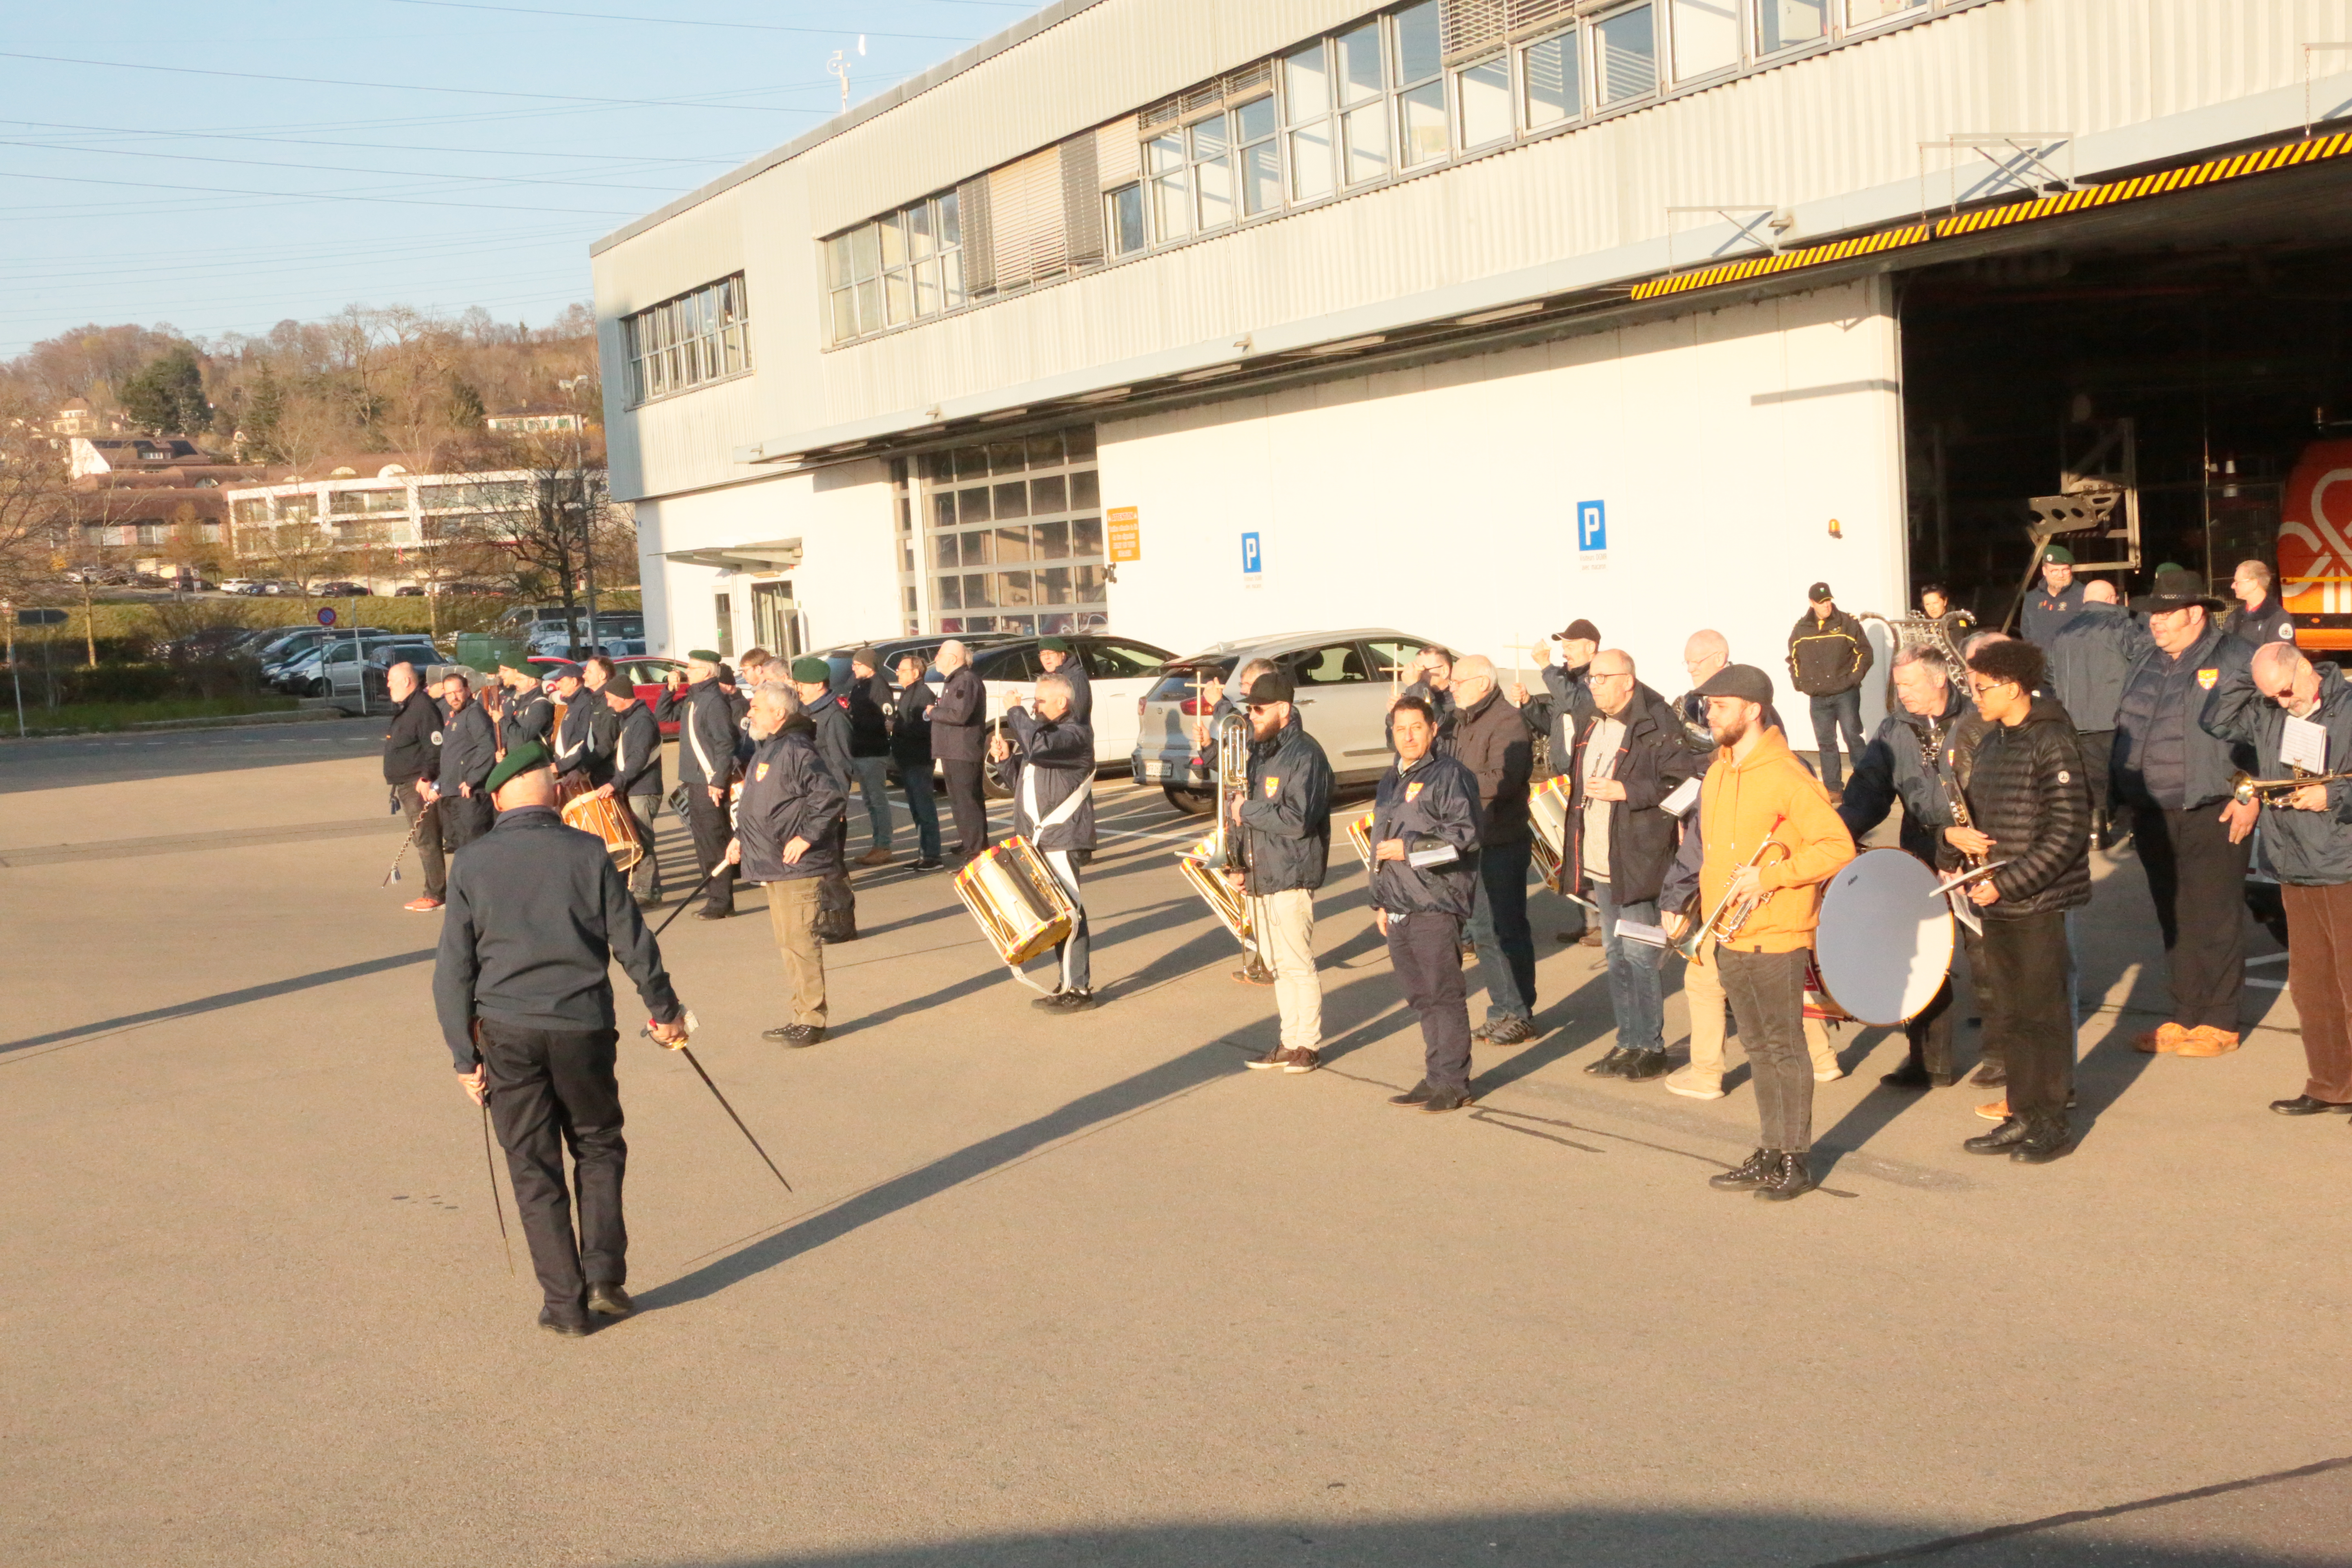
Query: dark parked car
[[344, 591]]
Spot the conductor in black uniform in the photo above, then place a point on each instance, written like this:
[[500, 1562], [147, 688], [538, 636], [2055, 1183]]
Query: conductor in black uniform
[[537, 915], [412, 756], [705, 714], [469, 750]]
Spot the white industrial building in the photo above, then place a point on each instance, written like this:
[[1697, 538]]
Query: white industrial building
[[1469, 317]]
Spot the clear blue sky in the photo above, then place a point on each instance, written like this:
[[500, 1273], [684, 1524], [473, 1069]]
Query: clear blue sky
[[380, 151]]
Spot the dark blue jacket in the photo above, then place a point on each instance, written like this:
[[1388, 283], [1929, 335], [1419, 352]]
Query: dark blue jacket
[[2091, 655], [2163, 757], [1286, 815], [788, 795], [2310, 848], [1433, 799], [536, 915], [704, 717], [2046, 612], [2270, 624], [1896, 766], [469, 750], [637, 752], [1052, 761], [910, 731], [1566, 703]]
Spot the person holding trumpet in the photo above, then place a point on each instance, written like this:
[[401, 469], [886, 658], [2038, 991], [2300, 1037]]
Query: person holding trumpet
[[2309, 844], [1771, 840]]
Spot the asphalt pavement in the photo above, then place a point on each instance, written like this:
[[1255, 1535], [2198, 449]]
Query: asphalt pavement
[[1082, 1291]]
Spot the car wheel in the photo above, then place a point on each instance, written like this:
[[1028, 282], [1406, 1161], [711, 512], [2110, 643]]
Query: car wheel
[[1191, 802]]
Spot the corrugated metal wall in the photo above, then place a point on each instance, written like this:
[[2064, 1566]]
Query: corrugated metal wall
[[1847, 120]]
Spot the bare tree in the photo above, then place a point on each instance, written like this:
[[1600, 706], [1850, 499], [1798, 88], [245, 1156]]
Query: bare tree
[[36, 509], [302, 553]]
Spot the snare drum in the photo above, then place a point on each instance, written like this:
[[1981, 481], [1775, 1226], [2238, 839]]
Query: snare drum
[[609, 820], [1548, 828], [1883, 946], [1016, 900]]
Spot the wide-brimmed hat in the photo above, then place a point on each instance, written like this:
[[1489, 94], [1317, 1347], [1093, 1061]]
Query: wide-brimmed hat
[[2177, 588]]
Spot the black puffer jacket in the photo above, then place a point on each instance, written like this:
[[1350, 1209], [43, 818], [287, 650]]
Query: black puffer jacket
[[2027, 791], [1651, 762]]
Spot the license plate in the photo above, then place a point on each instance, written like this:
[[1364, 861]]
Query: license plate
[[1155, 769]]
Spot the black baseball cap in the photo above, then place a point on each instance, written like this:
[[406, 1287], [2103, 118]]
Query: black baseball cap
[[1817, 593], [1744, 682], [1271, 687]]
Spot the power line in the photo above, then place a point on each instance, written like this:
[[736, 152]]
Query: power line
[[299, 195], [395, 86], [728, 158], [678, 21], [333, 168]]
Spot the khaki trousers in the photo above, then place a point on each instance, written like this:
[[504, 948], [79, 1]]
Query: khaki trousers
[[791, 914], [1285, 936], [1703, 989]]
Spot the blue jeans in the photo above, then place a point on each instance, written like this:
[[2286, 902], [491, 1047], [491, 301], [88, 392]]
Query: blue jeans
[[1499, 928], [1832, 715], [874, 786], [1636, 980], [922, 806]]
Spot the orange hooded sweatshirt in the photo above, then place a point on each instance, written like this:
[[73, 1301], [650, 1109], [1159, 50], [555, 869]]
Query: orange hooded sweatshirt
[[1771, 792]]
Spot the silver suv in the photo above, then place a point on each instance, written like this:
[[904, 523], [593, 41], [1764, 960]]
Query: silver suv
[[1344, 681]]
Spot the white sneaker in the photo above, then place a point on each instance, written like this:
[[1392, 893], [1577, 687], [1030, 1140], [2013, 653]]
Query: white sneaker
[[1688, 1082], [1828, 1075]]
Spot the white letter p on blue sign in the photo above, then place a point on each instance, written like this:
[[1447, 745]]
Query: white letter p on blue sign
[[1591, 525]]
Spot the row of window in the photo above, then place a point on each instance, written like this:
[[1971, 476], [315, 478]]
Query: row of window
[[303, 506], [1355, 108], [902, 267], [1005, 507], [703, 335]]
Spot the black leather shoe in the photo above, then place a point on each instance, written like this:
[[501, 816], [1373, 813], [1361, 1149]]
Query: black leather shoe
[[1419, 1095], [1640, 1066], [795, 1035], [610, 1302], [1991, 1074], [1791, 1177], [1910, 1075], [1444, 1101], [2006, 1136], [1611, 1065], [2041, 1144], [570, 1325], [712, 914], [1749, 1174], [1507, 1032], [2304, 1105]]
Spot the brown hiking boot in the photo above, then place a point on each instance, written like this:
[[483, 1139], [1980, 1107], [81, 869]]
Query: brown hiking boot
[[2205, 1040], [2163, 1037]]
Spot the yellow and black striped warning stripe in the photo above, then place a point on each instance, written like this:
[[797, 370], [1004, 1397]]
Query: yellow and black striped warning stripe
[[2238, 166]]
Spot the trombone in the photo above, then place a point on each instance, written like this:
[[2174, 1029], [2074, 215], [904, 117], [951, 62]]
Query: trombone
[[2246, 790], [1724, 920]]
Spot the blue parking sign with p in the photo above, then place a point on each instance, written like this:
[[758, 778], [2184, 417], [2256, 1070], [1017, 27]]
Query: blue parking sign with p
[[1591, 525], [1252, 557]]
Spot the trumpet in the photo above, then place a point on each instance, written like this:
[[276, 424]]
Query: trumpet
[[2246, 790], [1723, 922]]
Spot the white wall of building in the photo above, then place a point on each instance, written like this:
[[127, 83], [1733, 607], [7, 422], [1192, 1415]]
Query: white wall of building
[[846, 582], [1443, 501]]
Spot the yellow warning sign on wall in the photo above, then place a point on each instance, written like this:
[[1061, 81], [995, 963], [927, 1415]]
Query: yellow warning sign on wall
[[1126, 534]]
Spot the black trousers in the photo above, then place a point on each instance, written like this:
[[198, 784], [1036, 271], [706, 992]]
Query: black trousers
[[836, 901], [2194, 871], [551, 1091], [1767, 992], [2033, 1017], [1426, 951], [967, 798], [428, 837], [1981, 984], [708, 821], [1930, 1032], [644, 877], [2099, 753], [465, 818]]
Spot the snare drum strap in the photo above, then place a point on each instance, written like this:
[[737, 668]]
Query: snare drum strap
[[1060, 814]]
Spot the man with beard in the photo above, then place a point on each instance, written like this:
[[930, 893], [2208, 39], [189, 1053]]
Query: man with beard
[[697, 702], [1491, 740], [2308, 840], [1285, 819], [2027, 799], [1899, 765], [2189, 835], [785, 839], [1052, 758], [2090, 656], [1630, 755], [1755, 793]]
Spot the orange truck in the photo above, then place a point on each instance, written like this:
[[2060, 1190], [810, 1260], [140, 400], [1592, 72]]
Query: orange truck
[[2315, 547]]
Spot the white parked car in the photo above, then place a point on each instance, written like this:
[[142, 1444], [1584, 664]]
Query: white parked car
[[1119, 670]]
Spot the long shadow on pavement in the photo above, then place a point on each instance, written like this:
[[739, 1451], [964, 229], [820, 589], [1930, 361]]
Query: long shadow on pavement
[[225, 999], [1193, 1068]]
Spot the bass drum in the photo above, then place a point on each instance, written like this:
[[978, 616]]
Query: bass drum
[[1884, 947]]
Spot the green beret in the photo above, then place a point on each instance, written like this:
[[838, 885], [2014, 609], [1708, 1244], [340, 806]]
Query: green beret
[[1052, 644], [812, 670], [2058, 555], [702, 656], [521, 760]]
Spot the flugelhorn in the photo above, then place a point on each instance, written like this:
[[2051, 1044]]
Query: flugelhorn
[[1730, 913], [2246, 790]]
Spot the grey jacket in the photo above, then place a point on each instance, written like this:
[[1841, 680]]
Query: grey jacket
[[2091, 654], [536, 915], [2310, 848]]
